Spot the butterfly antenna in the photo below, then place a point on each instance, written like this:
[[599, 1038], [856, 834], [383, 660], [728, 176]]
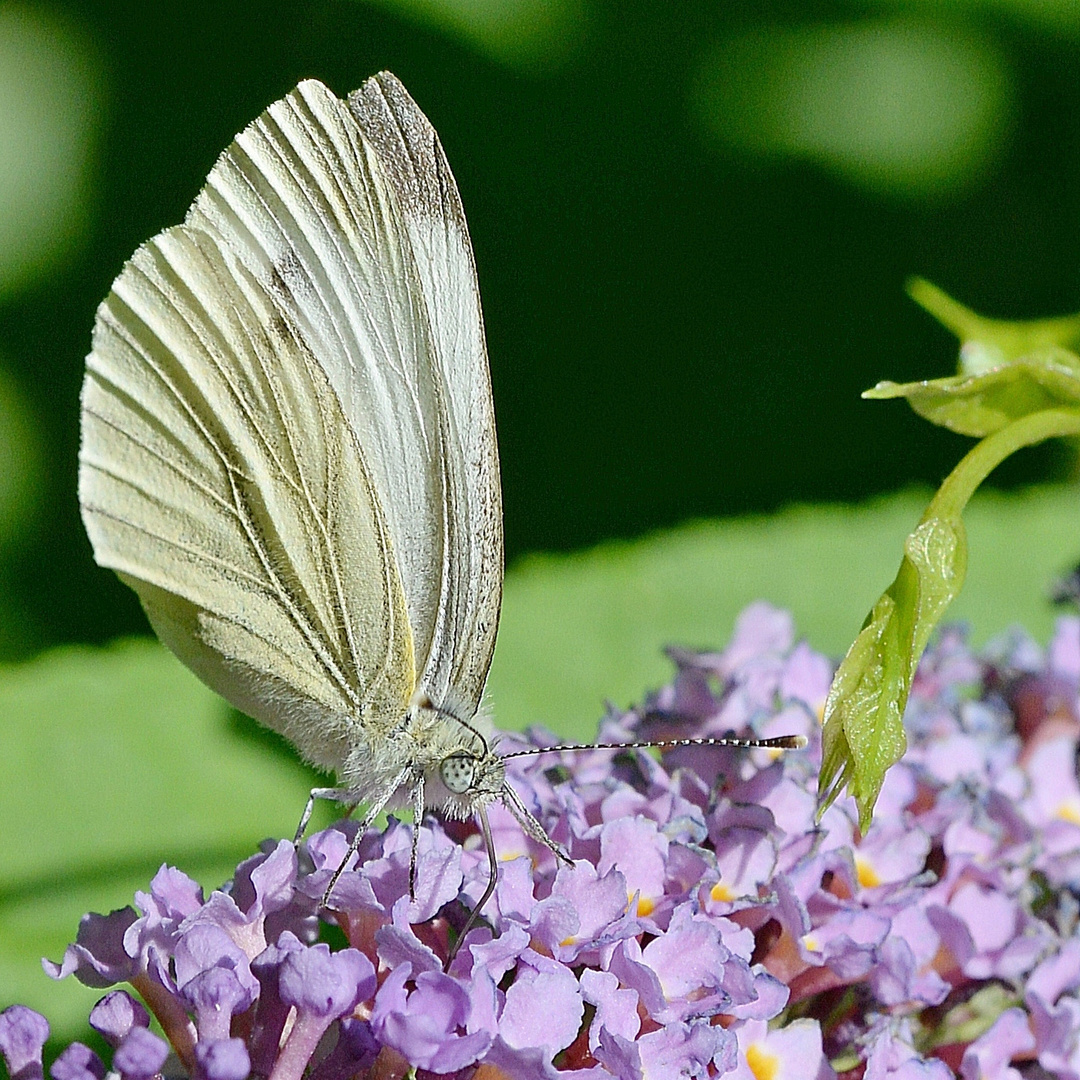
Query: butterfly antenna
[[457, 719], [779, 742]]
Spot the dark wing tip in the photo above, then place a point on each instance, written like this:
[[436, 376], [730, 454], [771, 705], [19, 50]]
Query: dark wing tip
[[409, 150]]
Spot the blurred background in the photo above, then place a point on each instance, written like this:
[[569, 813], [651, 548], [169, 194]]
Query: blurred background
[[692, 225], [692, 221]]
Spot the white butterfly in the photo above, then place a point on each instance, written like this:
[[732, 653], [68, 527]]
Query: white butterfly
[[288, 450]]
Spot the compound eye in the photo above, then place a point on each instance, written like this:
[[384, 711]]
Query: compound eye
[[458, 773]]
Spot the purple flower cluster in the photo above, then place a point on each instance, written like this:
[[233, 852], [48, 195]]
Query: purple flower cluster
[[709, 926]]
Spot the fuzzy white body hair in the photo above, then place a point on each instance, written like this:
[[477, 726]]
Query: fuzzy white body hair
[[421, 742]]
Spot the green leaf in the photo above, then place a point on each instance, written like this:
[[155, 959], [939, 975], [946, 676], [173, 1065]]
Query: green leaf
[[864, 733], [965, 1022], [1019, 384], [979, 405], [864, 730], [988, 343]]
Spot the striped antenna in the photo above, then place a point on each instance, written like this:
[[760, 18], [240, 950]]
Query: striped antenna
[[780, 742]]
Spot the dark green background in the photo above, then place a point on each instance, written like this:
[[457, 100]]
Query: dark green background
[[675, 330]]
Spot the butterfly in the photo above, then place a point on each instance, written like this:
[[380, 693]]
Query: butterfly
[[288, 452]]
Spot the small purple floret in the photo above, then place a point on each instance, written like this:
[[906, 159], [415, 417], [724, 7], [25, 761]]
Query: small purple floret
[[214, 996], [323, 983], [77, 1062], [222, 1059], [22, 1035], [116, 1014], [99, 957], [140, 1055], [429, 1026]]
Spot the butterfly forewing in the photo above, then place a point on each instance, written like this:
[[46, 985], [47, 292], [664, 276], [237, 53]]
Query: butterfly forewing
[[413, 161], [320, 214]]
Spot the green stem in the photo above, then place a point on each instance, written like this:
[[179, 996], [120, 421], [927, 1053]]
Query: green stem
[[986, 455]]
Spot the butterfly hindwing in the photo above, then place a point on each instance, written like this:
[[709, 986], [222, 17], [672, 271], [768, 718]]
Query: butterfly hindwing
[[218, 476]]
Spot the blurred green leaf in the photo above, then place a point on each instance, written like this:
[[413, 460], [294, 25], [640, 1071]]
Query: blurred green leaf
[[987, 343], [979, 405], [51, 84], [134, 762], [581, 628], [1058, 17], [530, 34], [912, 108]]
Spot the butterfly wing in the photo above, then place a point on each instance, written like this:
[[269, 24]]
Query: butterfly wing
[[221, 479], [288, 436], [412, 158], [350, 214]]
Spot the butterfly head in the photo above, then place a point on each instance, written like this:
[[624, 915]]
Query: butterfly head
[[461, 769], [471, 779]]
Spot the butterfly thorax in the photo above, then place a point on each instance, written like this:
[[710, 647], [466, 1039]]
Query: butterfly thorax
[[449, 760]]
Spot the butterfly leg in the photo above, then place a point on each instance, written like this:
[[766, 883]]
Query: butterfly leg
[[493, 869], [512, 801], [418, 817], [341, 795], [375, 807]]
